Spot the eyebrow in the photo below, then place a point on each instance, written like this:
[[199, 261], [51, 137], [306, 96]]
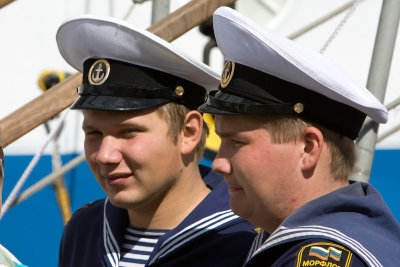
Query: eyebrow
[[125, 124], [225, 134], [86, 126]]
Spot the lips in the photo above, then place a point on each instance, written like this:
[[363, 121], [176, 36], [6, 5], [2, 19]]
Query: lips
[[116, 179], [233, 188]]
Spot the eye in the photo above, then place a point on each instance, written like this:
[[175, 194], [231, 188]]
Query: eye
[[232, 142], [93, 133], [237, 142], [129, 133]]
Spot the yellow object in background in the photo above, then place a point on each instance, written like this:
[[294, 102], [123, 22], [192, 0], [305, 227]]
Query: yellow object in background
[[213, 141], [49, 78]]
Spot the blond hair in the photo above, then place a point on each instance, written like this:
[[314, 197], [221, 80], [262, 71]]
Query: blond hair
[[286, 128], [174, 114]]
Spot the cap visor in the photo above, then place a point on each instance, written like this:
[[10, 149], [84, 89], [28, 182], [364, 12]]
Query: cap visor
[[116, 103], [205, 108], [223, 103]]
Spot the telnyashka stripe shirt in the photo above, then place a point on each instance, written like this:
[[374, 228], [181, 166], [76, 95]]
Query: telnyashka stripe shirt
[[138, 245]]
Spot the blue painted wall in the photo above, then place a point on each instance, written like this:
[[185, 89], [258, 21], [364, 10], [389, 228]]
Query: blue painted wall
[[385, 176], [32, 230]]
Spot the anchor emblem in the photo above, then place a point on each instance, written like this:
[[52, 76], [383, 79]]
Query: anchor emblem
[[227, 73], [99, 72]]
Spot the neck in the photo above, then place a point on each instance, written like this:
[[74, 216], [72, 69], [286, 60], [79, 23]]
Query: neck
[[173, 207], [310, 191]]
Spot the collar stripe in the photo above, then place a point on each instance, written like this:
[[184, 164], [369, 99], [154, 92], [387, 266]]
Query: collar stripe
[[257, 243], [196, 227], [194, 230], [110, 244], [198, 233]]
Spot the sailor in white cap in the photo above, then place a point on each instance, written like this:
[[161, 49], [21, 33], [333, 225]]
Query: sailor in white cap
[[143, 140], [287, 118]]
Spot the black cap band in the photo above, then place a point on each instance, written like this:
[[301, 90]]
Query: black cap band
[[127, 91], [214, 99], [114, 85]]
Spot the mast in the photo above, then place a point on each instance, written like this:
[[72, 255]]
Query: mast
[[377, 81]]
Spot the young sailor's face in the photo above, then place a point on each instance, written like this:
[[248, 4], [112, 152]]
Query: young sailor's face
[[133, 156], [259, 173]]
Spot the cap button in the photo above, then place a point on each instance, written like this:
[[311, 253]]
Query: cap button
[[298, 108], [179, 91]]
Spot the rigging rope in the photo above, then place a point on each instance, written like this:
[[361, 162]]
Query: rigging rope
[[59, 184], [49, 179], [30, 167], [130, 9], [340, 26]]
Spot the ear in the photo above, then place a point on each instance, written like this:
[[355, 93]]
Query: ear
[[191, 132], [313, 143]]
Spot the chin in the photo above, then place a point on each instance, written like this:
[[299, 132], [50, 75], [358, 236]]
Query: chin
[[121, 200], [239, 209], [117, 202]]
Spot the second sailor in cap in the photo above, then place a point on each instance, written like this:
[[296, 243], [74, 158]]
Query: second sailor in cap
[[287, 118], [143, 141]]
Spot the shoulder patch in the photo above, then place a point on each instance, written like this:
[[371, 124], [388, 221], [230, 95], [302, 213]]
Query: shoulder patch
[[257, 230], [324, 254]]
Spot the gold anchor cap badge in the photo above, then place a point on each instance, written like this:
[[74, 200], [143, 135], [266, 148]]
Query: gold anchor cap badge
[[227, 73], [99, 72]]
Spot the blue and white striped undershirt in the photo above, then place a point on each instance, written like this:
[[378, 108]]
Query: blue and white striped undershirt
[[138, 245]]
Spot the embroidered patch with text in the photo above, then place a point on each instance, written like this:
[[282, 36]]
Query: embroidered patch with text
[[324, 254]]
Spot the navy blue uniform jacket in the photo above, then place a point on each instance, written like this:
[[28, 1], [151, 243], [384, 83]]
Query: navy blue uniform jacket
[[351, 226], [211, 235]]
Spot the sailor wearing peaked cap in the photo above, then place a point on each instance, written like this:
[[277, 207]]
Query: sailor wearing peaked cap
[[296, 188], [143, 140]]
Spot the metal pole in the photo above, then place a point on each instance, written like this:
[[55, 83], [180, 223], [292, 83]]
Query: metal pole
[[377, 81], [160, 9]]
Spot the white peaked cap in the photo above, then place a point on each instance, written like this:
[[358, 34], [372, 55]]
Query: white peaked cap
[[243, 41], [91, 36]]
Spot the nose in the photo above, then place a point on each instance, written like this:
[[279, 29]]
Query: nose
[[109, 151], [221, 165]]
